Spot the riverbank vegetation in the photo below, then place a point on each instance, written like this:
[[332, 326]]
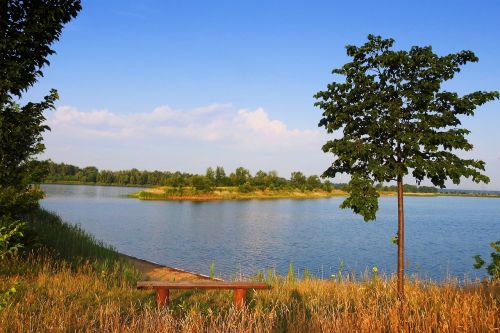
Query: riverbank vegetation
[[71, 282], [217, 184], [231, 193]]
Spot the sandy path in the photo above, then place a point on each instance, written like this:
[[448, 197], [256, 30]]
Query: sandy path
[[164, 273]]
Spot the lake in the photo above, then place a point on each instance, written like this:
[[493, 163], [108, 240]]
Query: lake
[[243, 237]]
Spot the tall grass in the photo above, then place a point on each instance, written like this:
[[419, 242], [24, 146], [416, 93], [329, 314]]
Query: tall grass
[[55, 295], [58, 299], [59, 245], [68, 242]]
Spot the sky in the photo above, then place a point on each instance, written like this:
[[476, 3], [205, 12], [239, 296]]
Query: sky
[[183, 85]]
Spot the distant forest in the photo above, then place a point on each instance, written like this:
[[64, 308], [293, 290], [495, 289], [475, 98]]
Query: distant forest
[[213, 177]]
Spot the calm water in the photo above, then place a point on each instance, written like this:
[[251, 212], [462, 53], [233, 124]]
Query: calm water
[[442, 234]]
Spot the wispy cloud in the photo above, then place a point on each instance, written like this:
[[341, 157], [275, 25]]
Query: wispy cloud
[[218, 123]]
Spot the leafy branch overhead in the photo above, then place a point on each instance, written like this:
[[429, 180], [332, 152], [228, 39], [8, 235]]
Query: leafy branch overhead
[[28, 29], [396, 119]]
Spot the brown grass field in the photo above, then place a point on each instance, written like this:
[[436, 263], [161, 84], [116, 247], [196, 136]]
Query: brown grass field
[[53, 297], [73, 283]]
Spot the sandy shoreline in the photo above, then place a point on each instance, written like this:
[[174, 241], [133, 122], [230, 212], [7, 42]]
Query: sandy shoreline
[[155, 271]]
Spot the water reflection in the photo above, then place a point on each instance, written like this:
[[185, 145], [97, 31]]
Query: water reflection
[[443, 233]]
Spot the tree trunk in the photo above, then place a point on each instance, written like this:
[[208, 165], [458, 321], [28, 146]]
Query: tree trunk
[[401, 240]]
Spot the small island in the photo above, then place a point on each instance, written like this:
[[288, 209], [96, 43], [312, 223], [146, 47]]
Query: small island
[[231, 193]]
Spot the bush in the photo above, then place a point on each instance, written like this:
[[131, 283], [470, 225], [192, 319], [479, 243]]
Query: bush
[[493, 268], [245, 188], [11, 232]]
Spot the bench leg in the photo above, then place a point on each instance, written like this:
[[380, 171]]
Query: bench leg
[[162, 296], [239, 297]]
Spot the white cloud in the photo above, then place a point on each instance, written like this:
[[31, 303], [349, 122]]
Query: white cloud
[[217, 123]]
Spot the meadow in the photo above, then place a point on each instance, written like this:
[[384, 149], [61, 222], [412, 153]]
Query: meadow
[[71, 282]]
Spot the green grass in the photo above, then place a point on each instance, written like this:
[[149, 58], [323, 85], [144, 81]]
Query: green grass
[[68, 242], [55, 241]]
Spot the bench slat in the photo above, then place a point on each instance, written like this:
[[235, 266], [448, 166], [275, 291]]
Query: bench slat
[[201, 285]]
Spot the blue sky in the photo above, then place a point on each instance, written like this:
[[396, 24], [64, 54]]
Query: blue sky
[[186, 84]]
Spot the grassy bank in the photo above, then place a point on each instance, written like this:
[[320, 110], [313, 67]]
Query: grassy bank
[[73, 283], [233, 193], [230, 193]]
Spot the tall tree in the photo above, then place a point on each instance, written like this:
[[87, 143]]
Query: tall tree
[[210, 175], [220, 176], [28, 28], [396, 120], [298, 180], [241, 176]]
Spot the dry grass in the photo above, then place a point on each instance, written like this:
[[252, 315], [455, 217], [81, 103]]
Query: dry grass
[[231, 193], [54, 297], [76, 284]]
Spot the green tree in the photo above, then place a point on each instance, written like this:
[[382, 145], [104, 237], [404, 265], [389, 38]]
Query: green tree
[[298, 180], [28, 28], [201, 184], [210, 176], [397, 120], [220, 176], [313, 182], [260, 180], [327, 186], [241, 176], [90, 174]]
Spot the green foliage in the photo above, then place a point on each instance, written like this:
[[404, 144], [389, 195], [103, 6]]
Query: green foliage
[[327, 186], [298, 180], [212, 270], [396, 119], [394, 239], [408, 188], [66, 241], [11, 232], [61, 172], [28, 30], [240, 176], [210, 176], [363, 197], [291, 273], [21, 131], [220, 176], [245, 188], [313, 182], [340, 270], [493, 268], [201, 184], [5, 295]]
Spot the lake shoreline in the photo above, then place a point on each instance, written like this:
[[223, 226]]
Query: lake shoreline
[[155, 194], [159, 272], [258, 195]]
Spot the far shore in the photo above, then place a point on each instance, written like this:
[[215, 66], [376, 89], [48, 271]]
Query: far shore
[[232, 193]]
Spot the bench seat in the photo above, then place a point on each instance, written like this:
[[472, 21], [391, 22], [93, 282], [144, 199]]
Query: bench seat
[[162, 288]]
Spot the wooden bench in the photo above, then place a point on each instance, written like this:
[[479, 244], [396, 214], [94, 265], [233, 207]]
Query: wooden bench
[[162, 288]]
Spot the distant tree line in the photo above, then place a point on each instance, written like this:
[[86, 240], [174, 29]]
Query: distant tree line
[[408, 188], [213, 177]]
